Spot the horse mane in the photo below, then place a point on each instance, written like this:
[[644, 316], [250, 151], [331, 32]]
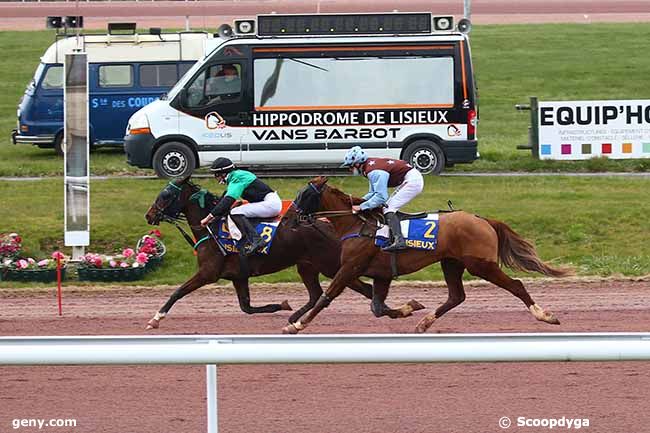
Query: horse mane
[[355, 200]]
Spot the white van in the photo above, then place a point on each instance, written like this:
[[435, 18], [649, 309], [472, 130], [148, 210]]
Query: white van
[[300, 90]]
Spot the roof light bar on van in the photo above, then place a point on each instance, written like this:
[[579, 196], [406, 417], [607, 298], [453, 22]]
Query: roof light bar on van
[[344, 24], [121, 28]]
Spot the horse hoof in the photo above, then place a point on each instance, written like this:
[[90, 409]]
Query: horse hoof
[[550, 318], [285, 306], [290, 329], [153, 324], [415, 305], [425, 324]]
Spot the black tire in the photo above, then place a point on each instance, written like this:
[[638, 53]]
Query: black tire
[[174, 159], [58, 144], [426, 156]]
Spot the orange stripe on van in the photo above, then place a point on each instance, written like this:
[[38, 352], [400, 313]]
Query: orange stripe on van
[[350, 107], [365, 48], [462, 67]]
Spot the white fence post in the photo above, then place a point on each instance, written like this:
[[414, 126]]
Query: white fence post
[[211, 383]]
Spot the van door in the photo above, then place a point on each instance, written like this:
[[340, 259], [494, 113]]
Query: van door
[[214, 110]]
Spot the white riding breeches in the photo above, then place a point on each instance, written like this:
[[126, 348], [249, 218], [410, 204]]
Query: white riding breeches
[[271, 206], [407, 191]]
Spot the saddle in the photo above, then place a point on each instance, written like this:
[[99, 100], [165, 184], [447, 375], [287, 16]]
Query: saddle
[[410, 216]]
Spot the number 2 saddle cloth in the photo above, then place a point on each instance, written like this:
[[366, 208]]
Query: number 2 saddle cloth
[[420, 233]]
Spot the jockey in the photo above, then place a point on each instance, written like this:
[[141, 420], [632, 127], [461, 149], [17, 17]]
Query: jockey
[[263, 202], [383, 173]]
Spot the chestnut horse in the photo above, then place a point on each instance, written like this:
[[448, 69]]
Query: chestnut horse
[[465, 241], [314, 249]]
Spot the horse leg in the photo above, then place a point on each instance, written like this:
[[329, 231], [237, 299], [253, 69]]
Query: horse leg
[[453, 270], [370, 292], [379, 307], [244, 297], [346, 273], [491, 272], [198, 280], [309, 276]]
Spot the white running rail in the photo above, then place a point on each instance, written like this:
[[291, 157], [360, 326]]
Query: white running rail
[[212, 350]]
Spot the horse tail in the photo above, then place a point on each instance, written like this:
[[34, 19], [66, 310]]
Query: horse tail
[[518, 254]]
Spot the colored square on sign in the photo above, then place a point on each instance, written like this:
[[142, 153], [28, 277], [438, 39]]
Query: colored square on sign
[[607, 147], [627, 147], [566, 149], [646, 147], [545, 149], [586, 148]]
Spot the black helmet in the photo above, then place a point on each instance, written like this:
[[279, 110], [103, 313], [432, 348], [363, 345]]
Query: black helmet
[[222, 166]]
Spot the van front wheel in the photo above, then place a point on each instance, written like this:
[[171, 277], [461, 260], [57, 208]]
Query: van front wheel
[[174, 159], [426, 156]]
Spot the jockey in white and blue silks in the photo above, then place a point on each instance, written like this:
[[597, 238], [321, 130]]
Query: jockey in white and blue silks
[[383, 173]]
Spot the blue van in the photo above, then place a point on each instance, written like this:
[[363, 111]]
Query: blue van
[[125, 73]]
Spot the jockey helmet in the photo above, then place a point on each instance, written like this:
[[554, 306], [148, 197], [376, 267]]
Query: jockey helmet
[[354, 156], [222, 166]]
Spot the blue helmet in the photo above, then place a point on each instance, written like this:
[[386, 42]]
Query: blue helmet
[[356, 155]]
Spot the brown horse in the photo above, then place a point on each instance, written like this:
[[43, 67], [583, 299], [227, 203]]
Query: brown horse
[[465, 241], [314, 249]]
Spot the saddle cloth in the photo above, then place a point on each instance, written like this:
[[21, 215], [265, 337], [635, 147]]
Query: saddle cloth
[[230, 236], [419, 233]]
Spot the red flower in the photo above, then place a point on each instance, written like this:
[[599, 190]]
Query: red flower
[[156, 233]]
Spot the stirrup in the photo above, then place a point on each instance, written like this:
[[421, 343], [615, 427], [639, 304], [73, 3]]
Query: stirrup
[[253, 248], [395, 246]]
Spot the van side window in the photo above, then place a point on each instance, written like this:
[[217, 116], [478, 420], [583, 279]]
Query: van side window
[[163, 75], [53, 78], [314, 83], [218, 84], [115, 76]]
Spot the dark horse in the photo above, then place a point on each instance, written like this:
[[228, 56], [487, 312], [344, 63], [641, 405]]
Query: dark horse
[[465, 241], [314, 249]]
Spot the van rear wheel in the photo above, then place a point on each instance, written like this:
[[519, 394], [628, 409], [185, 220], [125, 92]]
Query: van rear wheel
[[174, 159], [426, 156]]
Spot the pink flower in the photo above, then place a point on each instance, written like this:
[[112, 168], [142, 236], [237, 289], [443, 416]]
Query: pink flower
[[58, 255], [22, 264], [31, 261], [128, 252], [112, 263], [124, 265], [142, 258], [97, 261], [43, 263]]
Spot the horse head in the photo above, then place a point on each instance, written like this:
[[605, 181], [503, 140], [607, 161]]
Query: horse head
[[171, 201], [308, 200]]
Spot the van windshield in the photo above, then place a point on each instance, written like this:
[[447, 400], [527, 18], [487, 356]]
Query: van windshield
[[183, 80], [353, 81], [53, 78]]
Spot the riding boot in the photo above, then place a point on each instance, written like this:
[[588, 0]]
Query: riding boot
[[396, 233], [254, 239]]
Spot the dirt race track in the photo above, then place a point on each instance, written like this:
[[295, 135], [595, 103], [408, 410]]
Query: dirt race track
[[442, 398]]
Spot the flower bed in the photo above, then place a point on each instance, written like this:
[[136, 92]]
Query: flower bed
[[130, 265], [31, 270]]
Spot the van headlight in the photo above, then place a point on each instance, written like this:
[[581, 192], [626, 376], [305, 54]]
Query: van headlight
[[138, 124]]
